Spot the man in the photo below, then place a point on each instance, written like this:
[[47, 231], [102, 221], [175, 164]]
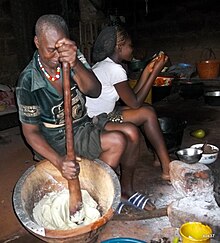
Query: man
[[40, 101]]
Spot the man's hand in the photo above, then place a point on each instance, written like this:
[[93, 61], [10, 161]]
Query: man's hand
[[67, 50], [69, 169]]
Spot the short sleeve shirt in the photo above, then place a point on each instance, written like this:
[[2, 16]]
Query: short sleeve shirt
[[109, 73], [39, 102]]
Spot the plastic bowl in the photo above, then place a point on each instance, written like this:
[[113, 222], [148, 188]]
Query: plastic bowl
[[123, 240], [207, 158], [192, 232], [189, 155]]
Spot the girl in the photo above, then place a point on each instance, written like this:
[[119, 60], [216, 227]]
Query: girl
[[112, 47]]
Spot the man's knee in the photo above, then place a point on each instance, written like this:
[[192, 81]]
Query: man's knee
[[114, 140], [118, 139], [133, 132]]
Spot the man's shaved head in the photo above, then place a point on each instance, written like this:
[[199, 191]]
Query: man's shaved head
[[51, 21]]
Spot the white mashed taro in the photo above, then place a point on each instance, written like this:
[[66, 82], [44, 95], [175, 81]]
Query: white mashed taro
[[52, 211]]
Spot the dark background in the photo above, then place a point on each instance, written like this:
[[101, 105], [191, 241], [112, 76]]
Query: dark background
[[183, 29]]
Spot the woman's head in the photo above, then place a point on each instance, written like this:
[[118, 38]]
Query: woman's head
[[124, 47], [111, 41], [121, 35]]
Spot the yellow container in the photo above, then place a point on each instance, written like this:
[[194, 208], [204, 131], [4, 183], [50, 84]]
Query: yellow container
[[149, 96], [195, 232]]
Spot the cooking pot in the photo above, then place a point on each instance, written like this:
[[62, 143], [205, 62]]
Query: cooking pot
[[212, 97], [189, 89], [172, 129], [160, 92], [162, 87], [137, 65]]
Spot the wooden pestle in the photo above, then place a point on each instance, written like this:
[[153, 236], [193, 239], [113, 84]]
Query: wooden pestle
[[75, 196]]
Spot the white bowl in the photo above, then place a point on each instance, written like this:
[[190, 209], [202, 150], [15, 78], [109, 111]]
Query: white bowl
[[207, 158]]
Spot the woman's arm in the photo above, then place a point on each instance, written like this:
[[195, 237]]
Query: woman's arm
[[152, 69], [134, 98]]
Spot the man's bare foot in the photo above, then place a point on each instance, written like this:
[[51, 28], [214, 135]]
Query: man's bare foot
[[156, 163], [149, 206], [166, 177]]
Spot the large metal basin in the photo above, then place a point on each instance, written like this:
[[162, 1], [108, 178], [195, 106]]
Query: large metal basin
[[95, 176]]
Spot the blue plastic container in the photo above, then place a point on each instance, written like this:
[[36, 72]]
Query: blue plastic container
[[123, 240]]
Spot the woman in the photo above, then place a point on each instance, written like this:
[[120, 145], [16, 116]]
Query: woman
[[112, 47]]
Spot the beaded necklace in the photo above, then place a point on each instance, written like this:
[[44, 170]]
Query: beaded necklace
[[57, 76]]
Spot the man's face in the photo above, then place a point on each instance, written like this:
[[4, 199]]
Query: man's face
[[46, 47]]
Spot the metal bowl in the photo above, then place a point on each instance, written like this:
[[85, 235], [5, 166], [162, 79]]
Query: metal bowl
[[44, 178], [189, 155], [212, 97]]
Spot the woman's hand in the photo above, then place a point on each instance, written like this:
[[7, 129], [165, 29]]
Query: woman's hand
[[161, 58], [67, 50], [159, 63], [150, 65], [69, 169]]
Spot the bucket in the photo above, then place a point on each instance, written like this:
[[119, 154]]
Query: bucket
[[208, 69], [195, 232], [123, 240]]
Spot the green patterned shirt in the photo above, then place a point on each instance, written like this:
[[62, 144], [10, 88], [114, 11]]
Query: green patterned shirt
[[39, 102]]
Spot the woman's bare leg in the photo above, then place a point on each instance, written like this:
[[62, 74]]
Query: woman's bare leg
[[130, 157], [146, 116]]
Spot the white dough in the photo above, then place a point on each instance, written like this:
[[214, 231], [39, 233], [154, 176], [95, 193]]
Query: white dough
[[52, 211]]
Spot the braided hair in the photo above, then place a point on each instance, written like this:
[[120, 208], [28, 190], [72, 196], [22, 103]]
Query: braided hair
[[107, 40]]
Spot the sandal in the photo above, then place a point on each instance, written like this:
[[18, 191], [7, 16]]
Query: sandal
[[137, 200], [120, 207], [140, 201]]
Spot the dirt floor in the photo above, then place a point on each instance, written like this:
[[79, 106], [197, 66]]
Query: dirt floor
[[16, 158]]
